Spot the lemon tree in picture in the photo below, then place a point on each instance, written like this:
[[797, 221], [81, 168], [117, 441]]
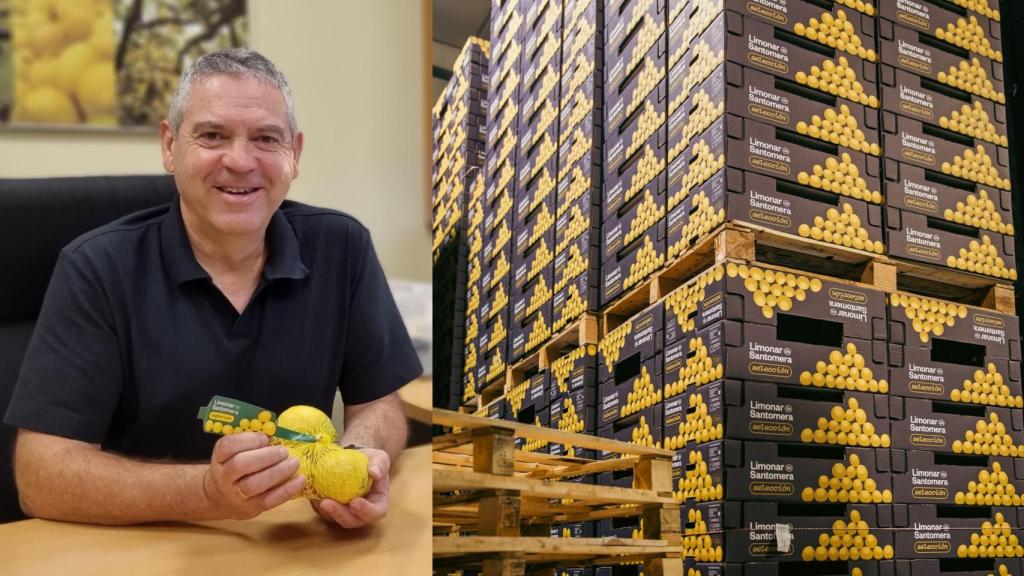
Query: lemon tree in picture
[[62, 57], [105, 62], [157, 39]]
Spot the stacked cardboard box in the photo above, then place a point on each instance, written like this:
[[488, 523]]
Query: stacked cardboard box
[[533, 227], [577, 197], [764, 381], [945, 127], [503, 117], [458, 122], [633, 206]]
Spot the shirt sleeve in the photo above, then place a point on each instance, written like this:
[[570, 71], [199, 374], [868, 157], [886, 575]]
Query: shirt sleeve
[[379, 355], [71, 378]]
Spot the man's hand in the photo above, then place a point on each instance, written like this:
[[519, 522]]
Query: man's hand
[[369, 509], [246, 476]]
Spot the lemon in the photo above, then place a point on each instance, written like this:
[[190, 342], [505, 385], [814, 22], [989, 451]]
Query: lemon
[[308, 420], [75, 18], [43, 72], [72, 63], [102, 37], [338, 473], [331, 471], [46, 105], [96, 90]]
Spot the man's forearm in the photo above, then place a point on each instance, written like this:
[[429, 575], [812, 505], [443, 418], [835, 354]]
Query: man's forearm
[[379, 424], [65, 479]]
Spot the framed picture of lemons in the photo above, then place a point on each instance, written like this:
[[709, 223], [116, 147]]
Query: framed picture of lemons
[[104, 63]]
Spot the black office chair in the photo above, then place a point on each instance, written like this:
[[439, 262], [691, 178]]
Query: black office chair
[[38, 217]]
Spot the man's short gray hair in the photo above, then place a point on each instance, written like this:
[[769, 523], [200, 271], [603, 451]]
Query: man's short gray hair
[[242, 62]]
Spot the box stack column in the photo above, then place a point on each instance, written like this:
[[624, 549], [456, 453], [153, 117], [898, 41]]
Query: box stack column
[[458, 121], [499, 188], [947, 164]]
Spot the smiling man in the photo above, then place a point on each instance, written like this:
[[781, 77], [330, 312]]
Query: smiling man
[[231, 290]]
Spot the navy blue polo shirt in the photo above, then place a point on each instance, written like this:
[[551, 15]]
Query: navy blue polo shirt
[[133, 337]]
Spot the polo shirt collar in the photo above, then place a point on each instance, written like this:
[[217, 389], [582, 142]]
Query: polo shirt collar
[[283, 260]]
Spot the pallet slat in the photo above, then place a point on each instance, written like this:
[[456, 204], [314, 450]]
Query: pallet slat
[[444, 546], [445, 480], [456, 419]]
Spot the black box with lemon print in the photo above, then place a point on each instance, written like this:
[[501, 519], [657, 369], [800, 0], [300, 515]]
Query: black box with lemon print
[[943, 426], [924, 55], [927, 530], [925, 477], [836, 568], [735, 470], [766, 412]]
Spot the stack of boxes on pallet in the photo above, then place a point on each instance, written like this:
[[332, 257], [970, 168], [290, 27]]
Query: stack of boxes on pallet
[[533, 221], [503, 117], [633, 208], [555, 212], [957, 431], [773, 122], [779, 415], [458, 122], [945, 128], [823, 424]]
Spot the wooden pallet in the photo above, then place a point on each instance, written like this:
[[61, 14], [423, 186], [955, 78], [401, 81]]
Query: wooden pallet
[[584, 330], [743, 241], [511, 499], [955, 285], [491, 392]]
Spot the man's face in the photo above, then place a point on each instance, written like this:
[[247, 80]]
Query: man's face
[[234, 156]]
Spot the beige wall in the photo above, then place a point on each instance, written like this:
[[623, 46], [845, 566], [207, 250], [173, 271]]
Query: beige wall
[[359, 78]]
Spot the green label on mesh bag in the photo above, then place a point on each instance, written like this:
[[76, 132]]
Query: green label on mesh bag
[[229, 416]]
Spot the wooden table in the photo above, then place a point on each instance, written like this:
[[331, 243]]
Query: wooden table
[[289, 540], [417, 399]]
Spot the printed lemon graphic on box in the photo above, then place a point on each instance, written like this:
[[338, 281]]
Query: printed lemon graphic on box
[[697, 484], [848, 540], [699, 370], [974, 122], [979, 211], [574, 307], [570, 420], [843, 228], [992, 488], [994, 541], [847, 371], [836, 32], [532, 445], [848, 483], [697, 542], [773, 289], [836, 77], [928, 317], [698, 427], [703, 219], [683, 301], [972, 78], [840, 176], [643, 394], [562, 368], [839, 126], [847, 426], [987, 387], [989, 438]]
